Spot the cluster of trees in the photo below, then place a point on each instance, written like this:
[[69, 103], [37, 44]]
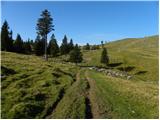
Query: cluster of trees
[[53, 49], [40, 46], [76, 55], [66, 47], [104, 55], [91, 47], [45, 26], [17, 45]]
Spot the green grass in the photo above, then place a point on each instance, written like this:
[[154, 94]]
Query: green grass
[[32, 87], [140, 53], [126, 99], [73, 104], [32, 84]]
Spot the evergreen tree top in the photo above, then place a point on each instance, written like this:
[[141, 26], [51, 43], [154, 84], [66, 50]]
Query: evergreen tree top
[[52, 37], [64, 41], [44, 25], [5, 25], [18, 37], [76, 46]]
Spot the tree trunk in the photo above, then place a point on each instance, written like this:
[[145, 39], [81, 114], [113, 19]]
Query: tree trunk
[[45, 54]]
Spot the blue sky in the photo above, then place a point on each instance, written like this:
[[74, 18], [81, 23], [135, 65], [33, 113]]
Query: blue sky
[[85, 22]]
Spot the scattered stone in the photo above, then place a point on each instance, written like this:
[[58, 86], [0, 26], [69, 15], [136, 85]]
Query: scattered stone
[[129, 77], [112, 73], [109, 74], [133, 111]]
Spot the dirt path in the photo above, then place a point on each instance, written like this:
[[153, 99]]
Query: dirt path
[[92, 107], [95, 111]]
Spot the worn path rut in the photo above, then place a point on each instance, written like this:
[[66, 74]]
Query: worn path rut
[[91, 96]]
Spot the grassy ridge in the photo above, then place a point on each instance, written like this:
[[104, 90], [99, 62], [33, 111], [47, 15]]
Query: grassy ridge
[[140, 54]]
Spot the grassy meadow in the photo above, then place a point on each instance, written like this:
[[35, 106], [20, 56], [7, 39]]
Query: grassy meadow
[[34, 88], [139, 54]]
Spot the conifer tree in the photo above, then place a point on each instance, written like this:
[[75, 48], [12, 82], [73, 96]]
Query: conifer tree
[[76, 55], [53, 48], [38, 46], [45, 26], [6, 41], [87, 47], [64, 49], [27, 47], [104, 57], [18, 44], [71, 45]]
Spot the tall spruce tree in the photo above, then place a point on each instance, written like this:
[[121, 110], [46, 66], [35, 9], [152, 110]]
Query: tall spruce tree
[[18, 44], [53, 48], [104, 57], [6, 41], [64, 49], [76, 55], [45, 26]]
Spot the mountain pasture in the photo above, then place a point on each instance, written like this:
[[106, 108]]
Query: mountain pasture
[[35, 88]]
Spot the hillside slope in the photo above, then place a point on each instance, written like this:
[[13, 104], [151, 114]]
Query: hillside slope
[[140, 54], [34, 88]]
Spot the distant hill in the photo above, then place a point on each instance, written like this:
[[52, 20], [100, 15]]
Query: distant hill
[[139, 53]]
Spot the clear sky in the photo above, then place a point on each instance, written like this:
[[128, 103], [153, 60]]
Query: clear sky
[[85, 22]]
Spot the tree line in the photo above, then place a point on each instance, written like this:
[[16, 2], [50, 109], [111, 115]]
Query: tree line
[[17, 45], [40, 46], [91, 47], [36, 47]]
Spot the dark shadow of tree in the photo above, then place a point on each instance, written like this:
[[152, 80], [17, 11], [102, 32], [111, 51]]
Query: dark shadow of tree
[[140, 72], [114, 64], [127, 69]]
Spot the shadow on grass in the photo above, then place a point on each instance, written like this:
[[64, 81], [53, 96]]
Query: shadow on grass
[[127, 69], [54, 105], [114, 64], [7, 71], [140, 72]]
